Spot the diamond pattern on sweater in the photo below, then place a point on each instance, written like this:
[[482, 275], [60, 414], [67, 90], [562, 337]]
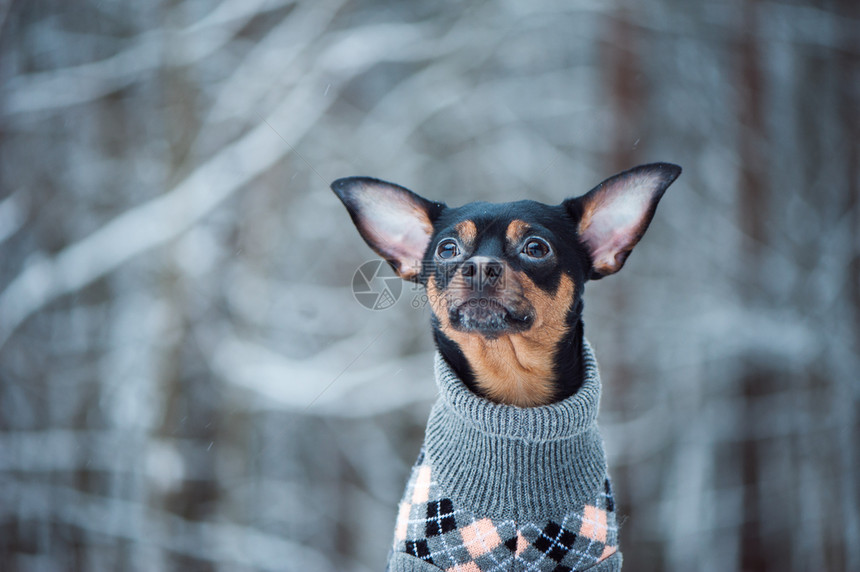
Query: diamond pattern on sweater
[[480, 537], [555, 541], [419, 549], [455, 539], [440, 517]]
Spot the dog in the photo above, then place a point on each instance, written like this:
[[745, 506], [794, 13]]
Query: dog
[[512, 474]]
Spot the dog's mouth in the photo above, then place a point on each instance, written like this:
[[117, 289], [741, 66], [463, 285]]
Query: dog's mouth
[[488, 316]]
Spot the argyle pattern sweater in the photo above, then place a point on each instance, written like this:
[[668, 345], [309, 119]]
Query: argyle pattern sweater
[[508, 489]]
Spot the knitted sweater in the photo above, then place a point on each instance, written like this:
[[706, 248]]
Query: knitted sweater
[[504, 488]]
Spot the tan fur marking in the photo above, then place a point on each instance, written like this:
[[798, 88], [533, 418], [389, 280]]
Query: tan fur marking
[[517, 229], [468, 231], [588, 210], [516, 369]]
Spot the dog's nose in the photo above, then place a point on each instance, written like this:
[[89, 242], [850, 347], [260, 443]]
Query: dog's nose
[[482, 271]]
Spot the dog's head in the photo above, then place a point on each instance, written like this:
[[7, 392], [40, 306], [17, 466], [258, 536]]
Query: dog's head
[[507, 275]]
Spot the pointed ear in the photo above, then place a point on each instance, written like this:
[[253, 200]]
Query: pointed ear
[[394, 221], [614, 215]]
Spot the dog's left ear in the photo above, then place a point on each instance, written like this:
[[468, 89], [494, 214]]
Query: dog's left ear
[[614, 215], [394, 221]]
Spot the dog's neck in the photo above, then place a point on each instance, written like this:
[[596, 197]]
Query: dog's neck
[[517, 369]]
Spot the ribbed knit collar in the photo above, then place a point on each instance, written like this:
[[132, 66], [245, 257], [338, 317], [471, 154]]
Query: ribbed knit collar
[[559, 420], [513, 462]]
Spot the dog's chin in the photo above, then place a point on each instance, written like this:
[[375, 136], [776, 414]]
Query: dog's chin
[[488, 318]]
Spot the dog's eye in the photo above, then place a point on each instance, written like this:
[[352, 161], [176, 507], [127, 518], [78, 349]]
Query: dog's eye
[[447, 249], [536, 248]]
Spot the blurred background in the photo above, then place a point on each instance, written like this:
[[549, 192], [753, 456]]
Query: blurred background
[[187, 381]]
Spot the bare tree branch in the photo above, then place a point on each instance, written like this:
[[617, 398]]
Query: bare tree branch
[[56, 89], [164, 218]]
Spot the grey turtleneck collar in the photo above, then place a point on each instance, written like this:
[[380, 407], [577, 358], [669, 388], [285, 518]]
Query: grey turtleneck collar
[[505, 461]]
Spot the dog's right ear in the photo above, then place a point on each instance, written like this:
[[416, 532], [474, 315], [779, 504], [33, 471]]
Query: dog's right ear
[[392, 220]]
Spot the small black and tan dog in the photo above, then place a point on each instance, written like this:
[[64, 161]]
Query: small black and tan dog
[[513, 473], [505, 281]]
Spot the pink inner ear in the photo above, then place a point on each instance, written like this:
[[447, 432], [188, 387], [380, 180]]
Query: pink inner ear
[[399, 229], [614, 218]]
